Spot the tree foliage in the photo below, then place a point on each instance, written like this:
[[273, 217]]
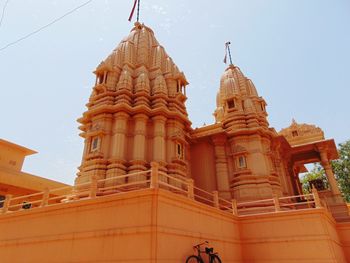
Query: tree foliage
[[341, 168], [317, 172]]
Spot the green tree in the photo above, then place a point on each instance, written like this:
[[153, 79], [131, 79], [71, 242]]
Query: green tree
[[341, 168], [317, 172]]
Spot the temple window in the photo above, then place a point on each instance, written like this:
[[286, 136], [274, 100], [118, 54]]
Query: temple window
[[242, 162], [262, 106], [178, 87], [231, 103], [95, 144], [99, 79], [295, 133], [179, 151], [102, 77]]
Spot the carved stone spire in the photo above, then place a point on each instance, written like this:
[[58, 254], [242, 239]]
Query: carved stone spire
[[242, 115], [138, 91], [238, 103]]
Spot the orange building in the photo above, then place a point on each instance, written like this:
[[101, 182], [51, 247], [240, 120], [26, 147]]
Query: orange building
[[150, 186], [15, 182]]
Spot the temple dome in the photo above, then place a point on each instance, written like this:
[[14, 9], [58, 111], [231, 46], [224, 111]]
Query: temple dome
[[140, 49], [234, 84], [237, 96]]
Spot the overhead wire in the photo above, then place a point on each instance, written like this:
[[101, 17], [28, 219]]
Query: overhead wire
[[45, 26], [3, 12]]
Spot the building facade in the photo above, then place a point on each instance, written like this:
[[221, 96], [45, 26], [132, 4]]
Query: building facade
[[136, 114], [149, 186]]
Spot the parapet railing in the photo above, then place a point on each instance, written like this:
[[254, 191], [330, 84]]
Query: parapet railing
[[154, 178]]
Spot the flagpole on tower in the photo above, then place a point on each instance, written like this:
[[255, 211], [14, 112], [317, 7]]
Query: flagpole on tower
[[138, 10], [133, 10], [229, 53], [227, 49]]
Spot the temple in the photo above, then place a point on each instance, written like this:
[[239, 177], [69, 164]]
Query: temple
[[149, 182], [136, 114]]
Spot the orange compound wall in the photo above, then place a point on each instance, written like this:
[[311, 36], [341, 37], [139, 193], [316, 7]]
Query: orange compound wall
[[344, 234], [296, 236], [182, 223], [139, 226], [160, 226]]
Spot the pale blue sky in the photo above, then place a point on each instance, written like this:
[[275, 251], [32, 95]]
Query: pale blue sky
[[295, 51]]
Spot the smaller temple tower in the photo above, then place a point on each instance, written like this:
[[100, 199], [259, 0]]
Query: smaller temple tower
[[242, 114]]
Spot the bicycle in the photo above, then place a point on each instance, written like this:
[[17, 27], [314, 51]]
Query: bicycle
[[213, 257]]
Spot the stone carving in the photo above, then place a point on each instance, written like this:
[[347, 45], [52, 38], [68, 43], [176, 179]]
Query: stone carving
[[302, 133], [234, 86], [238, 149], [142, 83], [125, 81], [159, 85], [137, 67]]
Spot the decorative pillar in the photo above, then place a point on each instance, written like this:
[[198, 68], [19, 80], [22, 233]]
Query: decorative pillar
[[282, 175], [297, 180], [117, 151], [138, 163], [290, 171], [119, 134], [222, 178], [159, 139], [159, 144], [329, 172], [105, 130], [285, 163]]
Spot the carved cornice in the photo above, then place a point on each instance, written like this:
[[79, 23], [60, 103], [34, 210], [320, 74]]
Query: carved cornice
[[303, 133]]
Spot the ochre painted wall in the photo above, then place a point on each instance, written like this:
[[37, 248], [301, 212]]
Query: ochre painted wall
[[344, 235], [298, 236], [140, 226], [159, 226], [203, 165]]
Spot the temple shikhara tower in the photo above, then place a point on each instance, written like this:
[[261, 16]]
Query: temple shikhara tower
[[150, 186], [136, 112]]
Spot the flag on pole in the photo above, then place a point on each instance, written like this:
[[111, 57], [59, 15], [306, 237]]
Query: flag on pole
[[133, 10], [226, 48]]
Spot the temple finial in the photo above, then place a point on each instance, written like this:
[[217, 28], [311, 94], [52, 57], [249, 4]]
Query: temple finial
[[227, 49]]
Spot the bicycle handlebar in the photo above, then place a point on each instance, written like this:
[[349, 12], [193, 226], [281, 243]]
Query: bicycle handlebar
[[198, 245]]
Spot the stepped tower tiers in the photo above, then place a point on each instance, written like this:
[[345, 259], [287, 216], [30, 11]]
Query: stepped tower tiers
[[136, 112], [242, 115]]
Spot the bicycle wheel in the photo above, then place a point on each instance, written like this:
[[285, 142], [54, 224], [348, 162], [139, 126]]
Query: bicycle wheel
[[193, 259], [215, 259]]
